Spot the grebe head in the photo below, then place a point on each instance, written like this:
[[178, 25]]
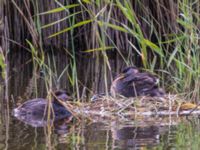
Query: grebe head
[[61, 95], [130, 70]]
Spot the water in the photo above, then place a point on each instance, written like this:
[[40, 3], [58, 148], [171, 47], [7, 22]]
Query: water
[[144, 133], [98, 136]]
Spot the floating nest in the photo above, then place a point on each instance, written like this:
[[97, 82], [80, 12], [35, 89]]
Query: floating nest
[[132, 108]]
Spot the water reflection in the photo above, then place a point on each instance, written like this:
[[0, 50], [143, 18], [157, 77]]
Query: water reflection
[[136, 137]]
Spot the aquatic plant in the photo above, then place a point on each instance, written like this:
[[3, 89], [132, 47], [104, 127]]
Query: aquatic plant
[[102, 37]]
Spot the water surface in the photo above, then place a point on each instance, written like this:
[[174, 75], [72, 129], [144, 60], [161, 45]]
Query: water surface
[[98, 135]]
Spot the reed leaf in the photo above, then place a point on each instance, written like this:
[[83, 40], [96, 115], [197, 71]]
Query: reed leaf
[[72, 27], [113, 26], [99, 49], [60, 20], [56, 10], [154, 47]]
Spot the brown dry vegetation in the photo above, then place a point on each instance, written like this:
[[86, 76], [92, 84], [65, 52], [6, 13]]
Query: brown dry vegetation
[[160, 36]]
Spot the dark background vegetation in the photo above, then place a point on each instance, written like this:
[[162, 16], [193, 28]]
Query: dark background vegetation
[[100, 38]]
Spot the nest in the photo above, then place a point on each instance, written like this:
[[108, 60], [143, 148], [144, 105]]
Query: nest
[[132, 108]]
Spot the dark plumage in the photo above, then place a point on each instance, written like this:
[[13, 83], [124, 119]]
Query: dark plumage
[[131, 82], [35, 111]]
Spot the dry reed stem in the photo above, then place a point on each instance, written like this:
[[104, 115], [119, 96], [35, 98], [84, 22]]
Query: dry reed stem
[[117, 108]]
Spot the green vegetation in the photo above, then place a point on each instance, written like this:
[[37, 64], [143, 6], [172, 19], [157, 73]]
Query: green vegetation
[[100, 37]]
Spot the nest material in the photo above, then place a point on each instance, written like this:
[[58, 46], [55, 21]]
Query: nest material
[[121, 107]]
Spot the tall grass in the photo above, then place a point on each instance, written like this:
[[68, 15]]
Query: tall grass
[[101, 37], [183, 59], [169, 44]]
